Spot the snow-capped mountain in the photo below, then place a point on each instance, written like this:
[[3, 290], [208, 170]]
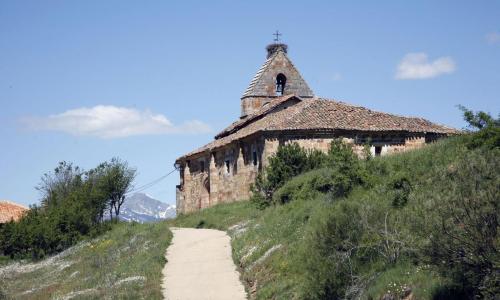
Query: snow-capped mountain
[[142, 208]]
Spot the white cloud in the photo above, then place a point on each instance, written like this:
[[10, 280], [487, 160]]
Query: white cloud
[[418, 66], [107, 121], [493, 37]]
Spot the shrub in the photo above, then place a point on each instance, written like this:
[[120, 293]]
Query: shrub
[[329, 248], [316, 159], [309, 185], [289, 161], [465, 244], [488, 127], [343, 161], [345, 171], [488, 137], [400, 187]]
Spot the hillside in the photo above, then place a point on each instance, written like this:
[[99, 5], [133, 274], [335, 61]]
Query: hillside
[[379, 241], [387, 237], [125, 262]]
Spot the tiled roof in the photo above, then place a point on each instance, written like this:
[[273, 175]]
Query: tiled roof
[[10, 211], [262, 111], [323, 114]]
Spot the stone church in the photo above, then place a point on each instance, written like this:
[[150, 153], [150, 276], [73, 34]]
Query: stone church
[[279, 107]]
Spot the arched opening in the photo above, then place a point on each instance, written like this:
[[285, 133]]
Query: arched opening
[[280, 84]]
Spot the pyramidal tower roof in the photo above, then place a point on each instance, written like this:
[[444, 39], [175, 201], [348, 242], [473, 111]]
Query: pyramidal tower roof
[[264, 82]]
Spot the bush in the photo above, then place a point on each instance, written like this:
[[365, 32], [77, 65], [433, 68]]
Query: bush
[[465, 245], [340, 171], [488, 134], [488, 137], [289, 161], [316, 159], [400, 187], [313, 183], [329, 248]]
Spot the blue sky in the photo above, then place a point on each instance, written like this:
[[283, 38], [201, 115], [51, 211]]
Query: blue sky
[[147, 81]]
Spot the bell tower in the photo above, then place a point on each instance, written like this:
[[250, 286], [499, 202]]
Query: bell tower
[[277, 77]]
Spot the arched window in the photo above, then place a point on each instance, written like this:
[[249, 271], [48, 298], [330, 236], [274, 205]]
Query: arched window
[[280, 84]]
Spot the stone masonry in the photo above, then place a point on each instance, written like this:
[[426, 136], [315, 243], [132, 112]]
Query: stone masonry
[[277, 108]]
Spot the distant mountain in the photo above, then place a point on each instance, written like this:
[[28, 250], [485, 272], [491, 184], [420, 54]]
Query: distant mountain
[[143, 208]]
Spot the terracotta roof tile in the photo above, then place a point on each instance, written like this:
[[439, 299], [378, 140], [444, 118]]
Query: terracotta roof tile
[[262, 111], [11, 211], [321, 114]]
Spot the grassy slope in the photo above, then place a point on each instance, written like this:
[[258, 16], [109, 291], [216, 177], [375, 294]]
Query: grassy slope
[[126, 262], [270, 245]]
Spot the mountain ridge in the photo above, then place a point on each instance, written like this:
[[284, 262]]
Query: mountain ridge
[[143, 208]]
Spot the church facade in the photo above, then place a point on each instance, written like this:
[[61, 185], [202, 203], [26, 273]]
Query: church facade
[[277, 108]]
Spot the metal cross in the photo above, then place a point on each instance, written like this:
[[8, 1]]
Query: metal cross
[[277, 36]]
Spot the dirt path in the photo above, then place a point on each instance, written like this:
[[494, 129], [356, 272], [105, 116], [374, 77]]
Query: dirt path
[[200, 267]]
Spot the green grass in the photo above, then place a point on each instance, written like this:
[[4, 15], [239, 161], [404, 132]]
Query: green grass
[[423, 281], [124, 263], [274, 248], [288, 251], [220, 216]]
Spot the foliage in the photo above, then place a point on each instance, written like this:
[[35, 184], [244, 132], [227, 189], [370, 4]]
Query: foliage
[[341, 171], [316, 159], [401, 188], [313, 183], [466, 244], [116, 181], [488, 127], [330, 245], [478, 120], [73, 206], [289, 161]]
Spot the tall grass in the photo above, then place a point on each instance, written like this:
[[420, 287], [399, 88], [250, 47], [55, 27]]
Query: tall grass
[[124, 263]]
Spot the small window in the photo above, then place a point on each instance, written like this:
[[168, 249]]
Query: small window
[[228, 166], [202, 166], [280, 84], [378, 150], [254, 158]]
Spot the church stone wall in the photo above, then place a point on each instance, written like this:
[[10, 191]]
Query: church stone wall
[[225, 175], [222, 176], [389, 143]]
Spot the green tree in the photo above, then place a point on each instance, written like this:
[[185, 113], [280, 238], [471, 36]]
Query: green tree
[[116, 182], [478, 120], [488, 128], [289, 161], [57, 185]]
